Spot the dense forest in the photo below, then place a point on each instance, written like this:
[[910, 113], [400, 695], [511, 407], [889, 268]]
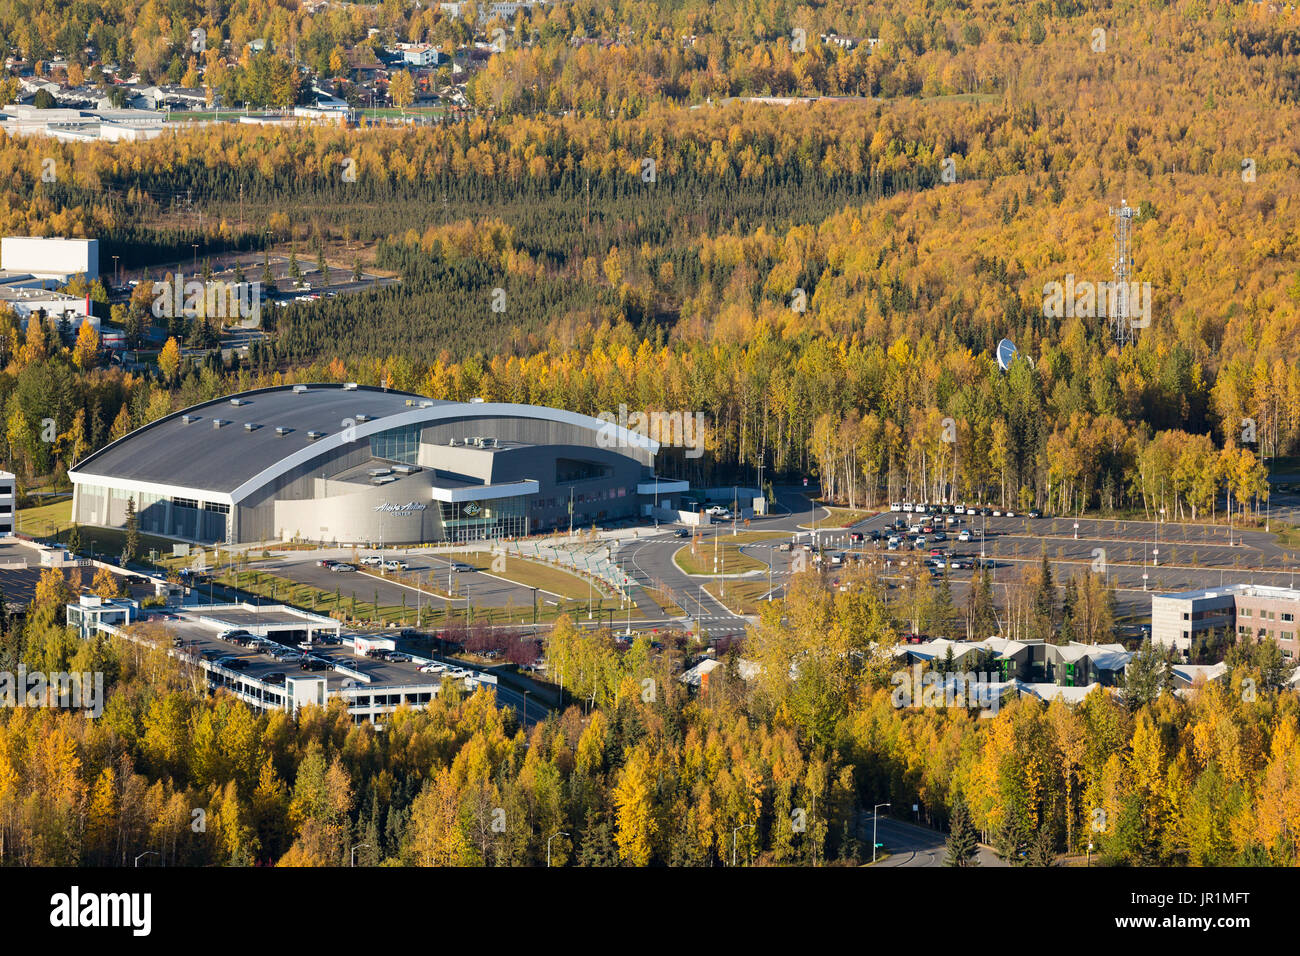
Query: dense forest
[[825, 280], [783, 766]]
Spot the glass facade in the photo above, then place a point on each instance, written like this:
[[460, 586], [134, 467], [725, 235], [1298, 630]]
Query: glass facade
[[480, 520], [401, 445]]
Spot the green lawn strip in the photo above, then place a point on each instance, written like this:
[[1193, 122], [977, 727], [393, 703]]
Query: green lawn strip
[[739, 597], [730, 560]]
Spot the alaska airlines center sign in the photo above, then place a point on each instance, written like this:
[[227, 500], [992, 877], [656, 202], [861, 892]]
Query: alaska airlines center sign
[[410, 508]]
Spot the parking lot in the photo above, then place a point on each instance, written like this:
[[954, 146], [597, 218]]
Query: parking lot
[[432, 571]]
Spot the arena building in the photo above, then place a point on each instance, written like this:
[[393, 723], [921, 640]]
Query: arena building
[[347, 464]]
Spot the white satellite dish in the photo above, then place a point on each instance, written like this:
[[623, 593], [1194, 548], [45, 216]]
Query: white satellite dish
[[1006, 354]]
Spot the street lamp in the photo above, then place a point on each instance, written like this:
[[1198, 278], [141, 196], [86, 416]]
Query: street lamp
[[548, 844], [354, 851], [733, 839], [874, 844], [147, 853]]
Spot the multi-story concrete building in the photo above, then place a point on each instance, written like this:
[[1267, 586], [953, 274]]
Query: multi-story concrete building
[[8, 502], [1247, 611]]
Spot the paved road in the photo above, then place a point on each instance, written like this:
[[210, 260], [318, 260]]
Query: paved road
[[911, 845]]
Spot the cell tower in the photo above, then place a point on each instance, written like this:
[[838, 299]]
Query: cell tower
[[1121, 321]]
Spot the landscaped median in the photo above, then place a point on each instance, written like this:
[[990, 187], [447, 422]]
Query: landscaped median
[[555, 581], [730, 559]]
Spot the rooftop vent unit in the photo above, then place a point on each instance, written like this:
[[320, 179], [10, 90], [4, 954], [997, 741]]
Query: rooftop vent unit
[[380, 472], [477, 401], [382, 480], [299, 389], [362, 418], [313, 435], [410, 402], [488, 442], [406, 469], [189, 419], [219, 422], [238, 401], [251, 426], [349, 386], [425, 404], [282, 430]]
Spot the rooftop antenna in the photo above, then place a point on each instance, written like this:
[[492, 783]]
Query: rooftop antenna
[[1122, 321]]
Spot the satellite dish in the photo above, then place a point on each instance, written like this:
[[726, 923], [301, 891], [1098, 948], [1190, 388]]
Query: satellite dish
[[1006, 354]]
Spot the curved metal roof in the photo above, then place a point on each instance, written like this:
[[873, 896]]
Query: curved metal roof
[[188, 454]]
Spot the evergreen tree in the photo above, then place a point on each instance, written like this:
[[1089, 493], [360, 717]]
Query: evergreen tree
[[980, 610], [962, 846], [132, 546], [1045, 600], [1042, 851]]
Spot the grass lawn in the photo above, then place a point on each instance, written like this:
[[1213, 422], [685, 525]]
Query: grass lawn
[[750, 537], [1288, 535], [535, 574], [842, 517], [348, 604], [730, 560], [740, 597], [54, 522], [44, 520], [665, 600]]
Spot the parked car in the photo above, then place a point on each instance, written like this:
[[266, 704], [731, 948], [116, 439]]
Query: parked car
[[230, 633], [275, 677], [895, 506], [1035, 513], [392, 566], [856, 536], [315, 664], [325, 563], [396, 657], [964, 535], [371, 559], [341, 568], [433, 667], [233, 663], [459, 566]]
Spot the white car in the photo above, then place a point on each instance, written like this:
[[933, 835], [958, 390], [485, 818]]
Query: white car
[[372, 559], [908, 506], [431, 668], [716, 510], [965, 535], [895, 506], [915, 529]]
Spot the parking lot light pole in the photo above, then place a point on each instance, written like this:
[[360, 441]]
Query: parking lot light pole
[[733, 839], [548, 844], [874, 817], [147, 853], [354, 851]]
